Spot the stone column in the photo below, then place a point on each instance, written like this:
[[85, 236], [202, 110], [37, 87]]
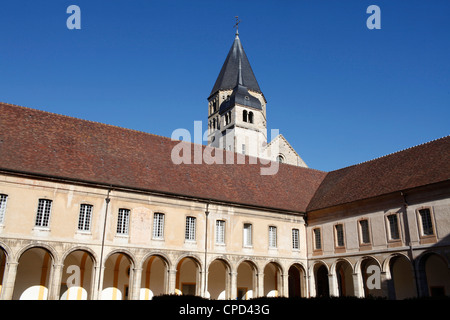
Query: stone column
[[260, 285], [55, 281], [333, 285], [358, 286], [172, 281], [284, 285], [136, 291], [98, 285], [9, 280], [233, 286]]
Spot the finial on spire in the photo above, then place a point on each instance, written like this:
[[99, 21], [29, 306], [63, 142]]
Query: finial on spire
[[236, 25]]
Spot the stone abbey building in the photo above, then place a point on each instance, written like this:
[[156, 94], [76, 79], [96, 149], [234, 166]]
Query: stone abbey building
[[94, 211]]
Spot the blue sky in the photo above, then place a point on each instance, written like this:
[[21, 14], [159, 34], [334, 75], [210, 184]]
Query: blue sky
[[340, 93]]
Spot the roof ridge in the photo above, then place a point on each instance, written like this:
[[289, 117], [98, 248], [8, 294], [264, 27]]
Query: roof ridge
[[392, 153], [91, 121]]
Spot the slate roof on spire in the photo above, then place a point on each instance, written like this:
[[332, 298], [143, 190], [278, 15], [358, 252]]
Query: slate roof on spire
[[228, 76]]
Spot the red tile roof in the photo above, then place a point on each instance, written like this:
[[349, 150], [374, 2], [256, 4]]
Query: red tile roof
[[421, 165], [42, 143], [47, 144]]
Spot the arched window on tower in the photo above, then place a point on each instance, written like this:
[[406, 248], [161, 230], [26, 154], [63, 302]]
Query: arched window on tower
[[250, 117], [244, 115], [228, 118], [214, 124]]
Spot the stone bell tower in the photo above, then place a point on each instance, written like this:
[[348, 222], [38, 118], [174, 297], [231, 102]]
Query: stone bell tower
[[237, 107]]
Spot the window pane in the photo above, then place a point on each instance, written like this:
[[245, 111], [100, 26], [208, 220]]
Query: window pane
[[317, 239], [220, 231], [2, 206], [339, 235], [247, 234], [158, 226], [295, 240], [272, 237], [43, 212], [364, 231], [84, 220], [427, 226], [393, 226], [123, 221], [190, 228]]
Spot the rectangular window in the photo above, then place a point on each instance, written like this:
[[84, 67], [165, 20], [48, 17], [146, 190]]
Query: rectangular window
[[3, 198], [190, 228], [317, 239], [247, 235], [339, 228], [427, 224], [43, 212], [393, 227], [123, 221], [364, 228], [220, 231], [272, 237], [158, 225], [295, 239], [84, 220], [243, 148]]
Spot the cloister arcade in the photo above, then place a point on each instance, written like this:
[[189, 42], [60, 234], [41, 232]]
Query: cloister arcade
[[38, 272]]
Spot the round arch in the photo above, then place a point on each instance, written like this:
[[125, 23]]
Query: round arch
[[272, 279], [342, 271], [77, 279], [188, 276], [155, 275], [246, 279], [88, 250], [369, 269], [218, 285], [50, 249], [35, 264], [161, 255], [400, 277], [320, 271], [296, 280], [126, 253], [117, 275], [433, 274]]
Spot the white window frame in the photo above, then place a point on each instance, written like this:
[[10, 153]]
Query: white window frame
[[84, 219], [3, 202], [190, 228], [247, 235], [220, 231], [123, 221], [272, 237], [295, 239], [158, 226], [43, 213]]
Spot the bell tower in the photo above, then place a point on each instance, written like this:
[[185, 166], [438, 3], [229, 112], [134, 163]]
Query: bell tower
[[237, 107]]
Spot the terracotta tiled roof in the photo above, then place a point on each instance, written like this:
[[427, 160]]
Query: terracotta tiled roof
[[421, 165], [47, 144]]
